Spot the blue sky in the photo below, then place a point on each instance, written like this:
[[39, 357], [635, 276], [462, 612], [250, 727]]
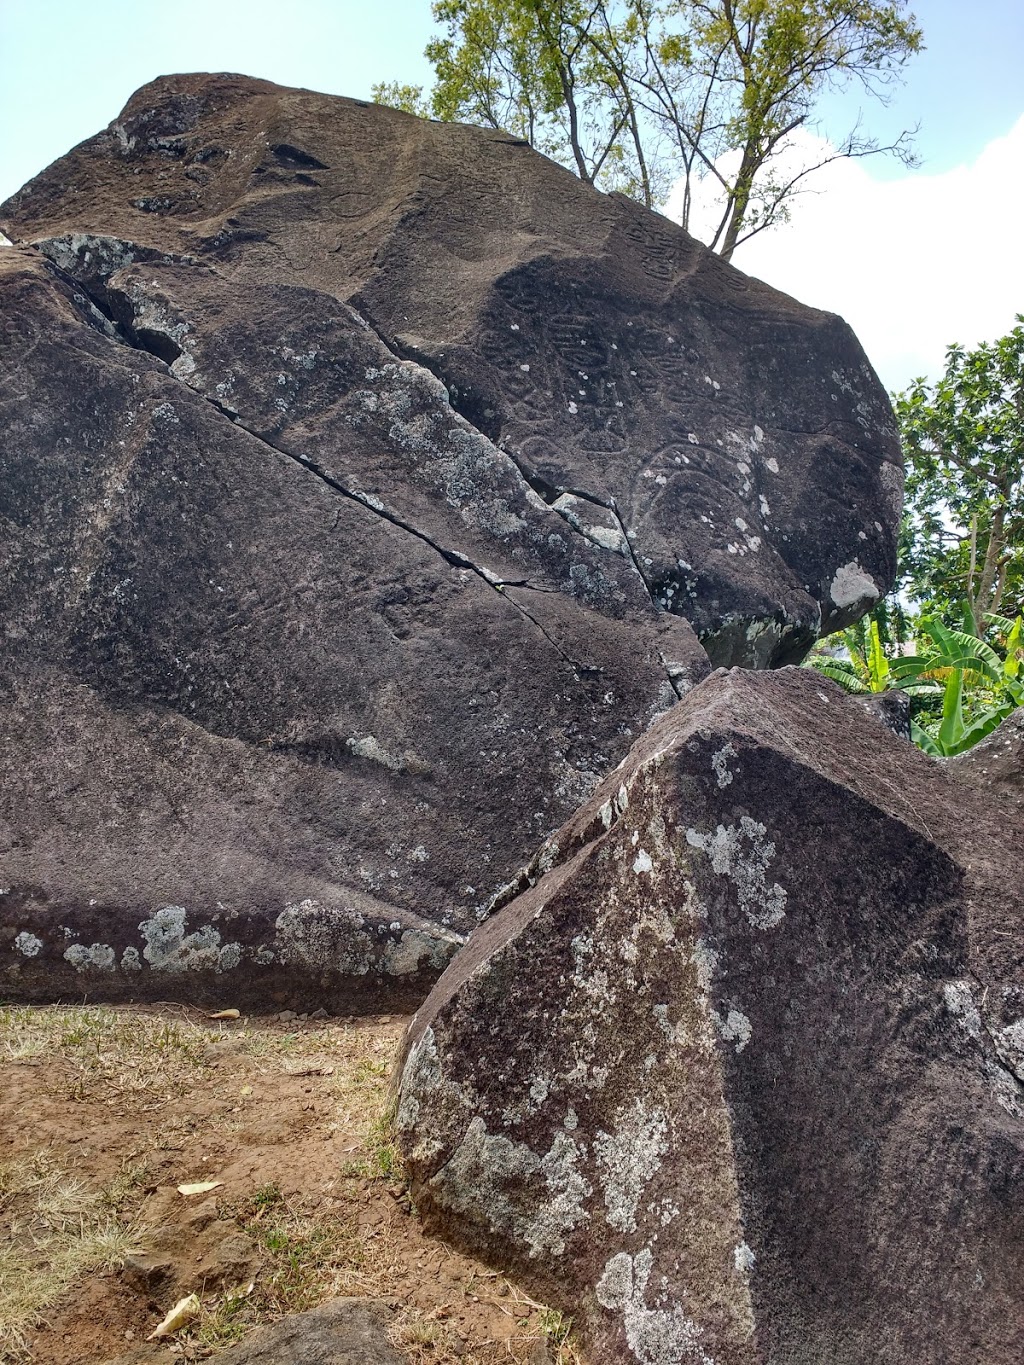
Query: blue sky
[[965, 89], [67, 68]]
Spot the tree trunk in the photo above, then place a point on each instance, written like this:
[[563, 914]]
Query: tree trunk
[[740, 198], [993, 554]]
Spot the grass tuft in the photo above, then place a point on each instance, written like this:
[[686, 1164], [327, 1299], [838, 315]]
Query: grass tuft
[[171, 1081], [57, 1231]]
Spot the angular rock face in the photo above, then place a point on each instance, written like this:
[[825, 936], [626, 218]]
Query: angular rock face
[[996, 765], [733, 443], [760, 1097], [361, 479]]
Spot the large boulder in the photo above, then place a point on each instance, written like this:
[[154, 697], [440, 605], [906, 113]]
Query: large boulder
[[738, 1076], [732, 444], [265, 737], [365, 486]]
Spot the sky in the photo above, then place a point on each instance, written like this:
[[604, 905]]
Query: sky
[[913, 260]]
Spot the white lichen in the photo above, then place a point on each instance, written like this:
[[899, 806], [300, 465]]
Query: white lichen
[[742, 853], [492, 1179], [370, 747], [168, 948], [719, 763], [421, 1075], [628, 1158], [705, 959], [734, 1028], [743, 1258], [323, 937], [99, 956], [1009, 1043], [655, 1336], [960, 1003], [892, 477], [417, 949], [852, 586]]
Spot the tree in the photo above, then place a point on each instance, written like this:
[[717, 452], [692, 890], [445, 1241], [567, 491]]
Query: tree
[[964, 442], [637, 95], [960, 687], [544, 72], [744, 75], [408, 98]]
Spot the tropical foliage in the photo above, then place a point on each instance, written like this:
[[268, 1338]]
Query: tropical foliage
[[964, 442], [951, 635], [978, 685], [961, 686]]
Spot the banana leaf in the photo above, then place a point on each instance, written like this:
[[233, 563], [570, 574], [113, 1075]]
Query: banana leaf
[[841, 673]]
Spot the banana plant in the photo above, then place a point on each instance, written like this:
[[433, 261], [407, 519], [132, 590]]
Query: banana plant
[[868, 668], [980, 691], [952, 669], [1013, 664]]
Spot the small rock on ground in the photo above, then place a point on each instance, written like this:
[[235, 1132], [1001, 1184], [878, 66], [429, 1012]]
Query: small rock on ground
[[339, 1332]]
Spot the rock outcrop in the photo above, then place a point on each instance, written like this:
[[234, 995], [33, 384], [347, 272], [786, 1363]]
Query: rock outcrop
[[366, 484], [338, 1332], [262, 734], [760, 1097], [731, 444], [996, 765]]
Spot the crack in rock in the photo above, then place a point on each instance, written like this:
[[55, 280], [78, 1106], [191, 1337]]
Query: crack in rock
[[148, 340]]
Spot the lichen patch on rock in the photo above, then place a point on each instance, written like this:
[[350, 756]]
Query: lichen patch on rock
[[736, 1033]]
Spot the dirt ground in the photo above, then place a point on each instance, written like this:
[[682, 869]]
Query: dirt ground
[[104, 1112]]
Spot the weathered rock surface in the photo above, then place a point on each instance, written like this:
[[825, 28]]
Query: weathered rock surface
[[760, 1098], [732, 442], [361, 478], [339, 1332], [184, 1249], [260, 733], [996, 765], [891, 709]]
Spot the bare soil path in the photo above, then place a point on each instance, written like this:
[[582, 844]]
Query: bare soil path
[[105, 1112]]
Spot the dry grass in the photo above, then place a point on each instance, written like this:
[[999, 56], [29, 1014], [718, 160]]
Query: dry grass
[[541, 1323], [149, 1069], [54, 1231], [139, 1060], [311, 1256], [57, 1231]]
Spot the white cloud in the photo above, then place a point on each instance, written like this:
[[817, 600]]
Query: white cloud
[[912, 263]]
